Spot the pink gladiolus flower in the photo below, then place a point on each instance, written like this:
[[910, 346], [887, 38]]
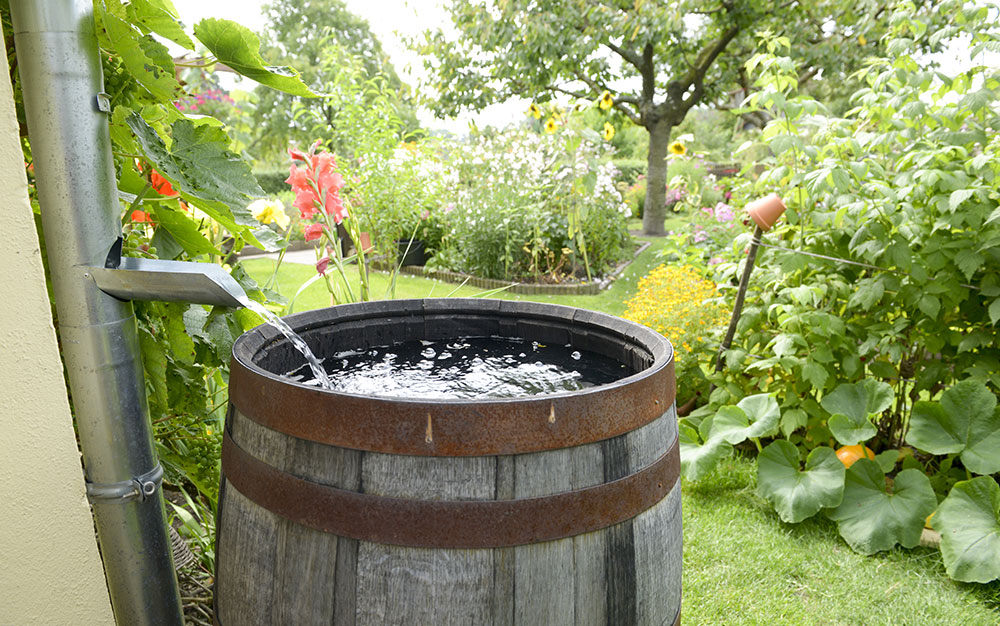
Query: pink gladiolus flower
[[321, 265], [313, 231]]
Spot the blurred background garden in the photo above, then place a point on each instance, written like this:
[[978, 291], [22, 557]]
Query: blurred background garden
[[840, 452]]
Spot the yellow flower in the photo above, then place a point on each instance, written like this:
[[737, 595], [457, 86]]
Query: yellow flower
[[609, 131], [266, 211], [606, 101], [550, 125], [677, 148], [534, 111], [861, 40]]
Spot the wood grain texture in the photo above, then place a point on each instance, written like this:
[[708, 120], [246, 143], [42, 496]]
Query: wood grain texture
[[403, 585], [273, 571]]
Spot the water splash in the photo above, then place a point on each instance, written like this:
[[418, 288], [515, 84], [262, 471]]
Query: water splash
[[298, 342]]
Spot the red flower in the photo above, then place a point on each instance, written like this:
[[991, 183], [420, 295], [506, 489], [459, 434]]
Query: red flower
[[313, 231], [141, 216], [321, 265], [161, 184]]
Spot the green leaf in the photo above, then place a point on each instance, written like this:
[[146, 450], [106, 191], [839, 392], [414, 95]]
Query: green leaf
[[872, 519], [180, 342], [154, 362], [930, 305], [184, 230], [160, 16], [798, 494], [792, 420], [969, 523], [867, 294], [995, 311], [239, 48], [202, 169], [860, 399], [958, 197], [135, 50], [965, 421], [849, 431], [753, 417], [815, 373], [887, 460], [698, 459]]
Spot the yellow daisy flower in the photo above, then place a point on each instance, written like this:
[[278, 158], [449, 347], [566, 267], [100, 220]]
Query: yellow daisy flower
[[534, 111], [606, 101], [609, 131], [266, 211], [676, 148], [550, 125]]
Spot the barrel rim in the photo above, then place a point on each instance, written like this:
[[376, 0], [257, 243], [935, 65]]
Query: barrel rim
[[459, 426]]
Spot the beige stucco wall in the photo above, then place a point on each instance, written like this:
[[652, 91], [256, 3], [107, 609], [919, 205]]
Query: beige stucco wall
[[51, 571]]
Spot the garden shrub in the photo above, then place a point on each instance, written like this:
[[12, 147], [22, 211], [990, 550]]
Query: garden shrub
[[874, 305], [532, 206], [630, 170], [272, 181]]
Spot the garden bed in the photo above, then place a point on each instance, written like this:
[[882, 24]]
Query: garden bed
[[567, 288]]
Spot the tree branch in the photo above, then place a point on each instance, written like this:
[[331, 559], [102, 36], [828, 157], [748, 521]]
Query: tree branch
[[631, 56]]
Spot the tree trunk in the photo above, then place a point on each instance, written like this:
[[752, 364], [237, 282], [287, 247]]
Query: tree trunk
[[655, 211]]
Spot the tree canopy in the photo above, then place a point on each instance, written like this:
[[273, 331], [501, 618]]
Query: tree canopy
[[300, 34], [656, 59]]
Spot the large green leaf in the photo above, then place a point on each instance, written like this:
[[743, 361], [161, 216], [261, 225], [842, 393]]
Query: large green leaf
[[202, 170], [861, 399], [697, 458], [966, 420], [852, 406], [849, 431], [752, 417], [184, 230], [969, 523], [145, 58], [160, 16], [797, 494], [239, 48], [872, 519]]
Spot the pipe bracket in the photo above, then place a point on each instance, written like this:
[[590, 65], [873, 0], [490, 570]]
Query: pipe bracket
[[141, 487]]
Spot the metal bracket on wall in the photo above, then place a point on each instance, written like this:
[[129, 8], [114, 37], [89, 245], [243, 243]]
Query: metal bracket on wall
[[140, 487]]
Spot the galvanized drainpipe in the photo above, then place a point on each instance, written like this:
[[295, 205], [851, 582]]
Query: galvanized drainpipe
[[59, 66]]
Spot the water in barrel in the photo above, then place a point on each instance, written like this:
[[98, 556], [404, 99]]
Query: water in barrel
[[472, 367]]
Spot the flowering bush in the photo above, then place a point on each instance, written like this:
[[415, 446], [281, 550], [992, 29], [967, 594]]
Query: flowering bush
[[677, 302], [534, 205]]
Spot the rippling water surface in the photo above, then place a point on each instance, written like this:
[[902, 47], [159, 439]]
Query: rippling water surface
[[493, 367]]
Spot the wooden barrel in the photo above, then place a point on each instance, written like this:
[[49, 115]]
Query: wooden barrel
[[539, 511]]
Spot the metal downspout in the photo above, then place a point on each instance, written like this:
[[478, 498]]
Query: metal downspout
[[59, 65]]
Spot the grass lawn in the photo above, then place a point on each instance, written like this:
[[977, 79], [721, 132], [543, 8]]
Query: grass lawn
[[742, 565]]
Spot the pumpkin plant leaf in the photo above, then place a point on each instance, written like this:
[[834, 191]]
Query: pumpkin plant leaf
[[969, 523], [965, 421], [697, 458], [849, 431], [239, 48], [752, 417], [852, 406], [860, 399], [871, 518], [798, 494]]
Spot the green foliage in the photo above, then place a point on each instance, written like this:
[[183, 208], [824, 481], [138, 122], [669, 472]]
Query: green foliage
[[888, 336], [304, 34], [969, 521], [272, 182], [851, 408], [872, 517], [965, 421], [630, 170], [798, 494]]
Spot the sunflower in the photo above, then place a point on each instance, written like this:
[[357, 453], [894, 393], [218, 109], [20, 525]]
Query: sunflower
[[676, 148], [606, 101], [609, 131], [550, 125], [534, 111]]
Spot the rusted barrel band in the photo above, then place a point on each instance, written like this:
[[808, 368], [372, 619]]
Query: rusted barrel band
[[448, 523], [452, 428]]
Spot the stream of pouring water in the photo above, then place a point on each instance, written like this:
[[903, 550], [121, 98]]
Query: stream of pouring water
[[296, 341]]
